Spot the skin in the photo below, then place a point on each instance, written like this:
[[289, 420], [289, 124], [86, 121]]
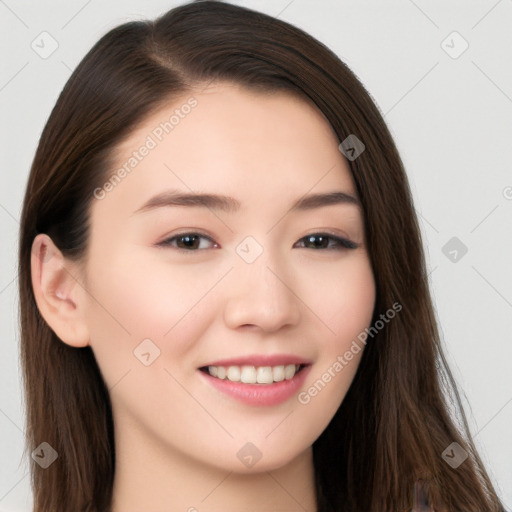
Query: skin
[[176, 436]]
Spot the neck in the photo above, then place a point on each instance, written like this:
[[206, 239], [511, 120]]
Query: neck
[[153, 479]]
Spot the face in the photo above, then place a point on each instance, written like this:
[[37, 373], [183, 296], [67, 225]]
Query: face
[[253, 281]]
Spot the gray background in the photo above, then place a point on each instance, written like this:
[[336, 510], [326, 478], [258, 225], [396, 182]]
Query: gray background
[[452, 121]]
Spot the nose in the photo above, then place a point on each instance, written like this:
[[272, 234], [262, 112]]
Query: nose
[[262, 296]]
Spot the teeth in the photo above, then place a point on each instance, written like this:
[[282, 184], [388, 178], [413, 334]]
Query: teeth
[[278, 373], [264, 375], [234, 373], [253, 374], [289, 371], [248, 375]]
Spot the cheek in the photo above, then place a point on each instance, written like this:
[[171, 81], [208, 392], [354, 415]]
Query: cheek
[[132, 301], [342, 299], [345, 304]]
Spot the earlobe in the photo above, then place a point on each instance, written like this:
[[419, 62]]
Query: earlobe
[[59, 296]]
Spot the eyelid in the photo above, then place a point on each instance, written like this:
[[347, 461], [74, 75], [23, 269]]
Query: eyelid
[[343, 241], [166, 242], [187, 231]]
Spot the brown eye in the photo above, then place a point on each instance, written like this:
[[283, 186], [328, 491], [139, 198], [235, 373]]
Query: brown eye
[[187, 241], [326, 241]]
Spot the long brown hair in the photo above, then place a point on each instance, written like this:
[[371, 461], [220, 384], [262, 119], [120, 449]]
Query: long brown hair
[[399, 415]]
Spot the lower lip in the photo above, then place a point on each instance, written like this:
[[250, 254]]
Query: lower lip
[[260, 394]]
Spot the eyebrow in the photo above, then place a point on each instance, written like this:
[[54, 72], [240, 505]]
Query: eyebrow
[[230, 204]]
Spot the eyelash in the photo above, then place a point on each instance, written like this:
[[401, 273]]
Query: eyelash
[[342, 243]]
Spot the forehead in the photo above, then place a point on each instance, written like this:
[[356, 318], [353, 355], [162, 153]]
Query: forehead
[[258, 147], [233, 110]]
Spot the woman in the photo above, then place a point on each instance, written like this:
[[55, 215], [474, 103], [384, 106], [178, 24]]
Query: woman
[[224, 301]]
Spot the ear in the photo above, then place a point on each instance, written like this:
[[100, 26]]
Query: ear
[[58, 294]]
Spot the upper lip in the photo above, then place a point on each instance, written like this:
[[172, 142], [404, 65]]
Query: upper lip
[[261, 360]]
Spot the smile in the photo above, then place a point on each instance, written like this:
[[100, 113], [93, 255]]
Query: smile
[[248, 374], [267, 382]]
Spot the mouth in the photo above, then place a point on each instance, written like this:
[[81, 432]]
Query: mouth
[[262, 386], [258, 380], [249, 374]]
